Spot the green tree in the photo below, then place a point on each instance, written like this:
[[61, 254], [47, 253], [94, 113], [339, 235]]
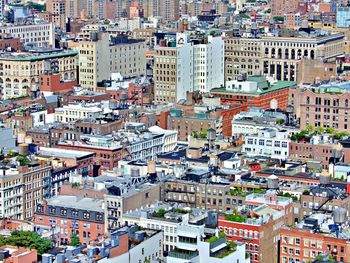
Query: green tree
[[280, 121], [320, 130], [309, 128], [74, 240], [28, 239]]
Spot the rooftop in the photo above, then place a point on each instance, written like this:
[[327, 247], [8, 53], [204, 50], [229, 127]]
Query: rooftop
[[34, 56], [77, 202], [63, 153]]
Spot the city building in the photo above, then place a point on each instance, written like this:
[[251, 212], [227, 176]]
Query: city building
[[74, 112], [267, 142], [13, 254], [260, 231], [19, 80], [318, 234], [343, 16], [324, 106], [242, 55], [101, 55], [22, 190], [166, 218], [71, 214], [183, 65], [32, 35], [57, 10], [255, 92], [282, 53], [191, 246]]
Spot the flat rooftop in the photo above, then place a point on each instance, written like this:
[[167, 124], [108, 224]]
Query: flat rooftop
[[63, 153], [77, 202]]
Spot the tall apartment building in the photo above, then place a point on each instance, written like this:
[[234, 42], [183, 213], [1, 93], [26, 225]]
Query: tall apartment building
[[185, 66], [35, 35], [57, 9], [80, 8], [280, 7], [169, 10], [242, 55], [21, 190], [2, 6], [20, 72], [282, 54], [99, 57]]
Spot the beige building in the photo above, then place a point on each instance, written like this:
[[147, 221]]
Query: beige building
[[242, 55], [282, 54], [101, 55], [169, 10], [73, 112], [93, 60], [126, 199], [21, 190], [57, 9], [165, 71], [327, 106], [280, 57], [20, 72]]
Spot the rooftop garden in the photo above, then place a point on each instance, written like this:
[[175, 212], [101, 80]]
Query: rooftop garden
[[240, 192], [161, 212], [215, 238], [235, 217], [311, 131], [288, 195], [231, 247]]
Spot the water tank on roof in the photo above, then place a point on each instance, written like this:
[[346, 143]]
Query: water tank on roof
[[272, 182], [339, 215], [135, 172], [24, 149]]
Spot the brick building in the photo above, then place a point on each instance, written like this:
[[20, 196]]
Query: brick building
[[324, 106], [13, 254], [53, 83], [300, 244], [10, 42], [255, 92], [72, 214]]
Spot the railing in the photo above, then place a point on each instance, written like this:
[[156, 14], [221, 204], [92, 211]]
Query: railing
[[183, 255]]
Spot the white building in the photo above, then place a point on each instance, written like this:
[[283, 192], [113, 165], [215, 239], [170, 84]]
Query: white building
[[73, 112], [35, 35], [169, 138], [267, 142], [189, 67], [208, 64], [192, 248]]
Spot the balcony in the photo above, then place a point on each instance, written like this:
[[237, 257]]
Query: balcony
[[187, 255]]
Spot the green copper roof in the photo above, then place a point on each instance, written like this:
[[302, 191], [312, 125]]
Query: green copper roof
[[38, 56]]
